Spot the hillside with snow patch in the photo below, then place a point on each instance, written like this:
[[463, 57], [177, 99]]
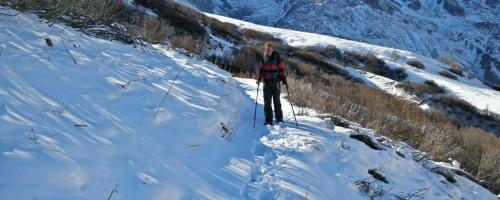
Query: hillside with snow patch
[[465, 30], [471, 90], [78, 121]]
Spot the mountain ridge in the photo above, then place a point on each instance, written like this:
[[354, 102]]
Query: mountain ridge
[[467, 31]]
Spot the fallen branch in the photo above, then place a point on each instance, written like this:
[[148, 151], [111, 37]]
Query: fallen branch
[[69, 53], [129, 82], [113, 191], [367, 140], [168, 91], [193, 146], [230, 128], [418, 194], [32, 136], [377, 175], [224, 128], [446, 173]]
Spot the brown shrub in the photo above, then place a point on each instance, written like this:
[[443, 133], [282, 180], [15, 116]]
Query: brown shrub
[[480, 156], [416, 63], [150, 29], [447, 73], [246, 60], [454, 102], [79, 13], [225, 29], [329, 51], [184, 19], [302, 68], [250, 34], [457, 71], [189, 43], [86, 14], [454, 66], [378, 66], [320, 61], [428, 88]]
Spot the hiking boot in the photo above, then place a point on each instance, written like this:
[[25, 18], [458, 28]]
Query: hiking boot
[[268, 123]]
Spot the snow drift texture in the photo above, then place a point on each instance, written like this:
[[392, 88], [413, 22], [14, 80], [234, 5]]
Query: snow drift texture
[[78, 131]]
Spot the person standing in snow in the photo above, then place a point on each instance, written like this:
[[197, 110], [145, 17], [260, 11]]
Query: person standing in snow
[[271, 72]]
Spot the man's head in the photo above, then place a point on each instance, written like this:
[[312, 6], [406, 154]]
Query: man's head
[[269, 50]]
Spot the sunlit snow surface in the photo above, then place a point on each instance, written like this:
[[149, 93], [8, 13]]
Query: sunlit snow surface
[[77, 131]]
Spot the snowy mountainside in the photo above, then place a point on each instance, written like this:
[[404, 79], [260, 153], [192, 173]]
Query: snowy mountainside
[[79, 131], [468, 31], [470, 90]]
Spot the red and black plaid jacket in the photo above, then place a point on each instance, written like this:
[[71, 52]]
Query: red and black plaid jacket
[[273, 69]]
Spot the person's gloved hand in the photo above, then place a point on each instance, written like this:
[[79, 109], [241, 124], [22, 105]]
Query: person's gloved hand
[[258, 82]]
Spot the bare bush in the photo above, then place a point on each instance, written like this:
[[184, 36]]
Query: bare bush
[[183, 18], [302, 68], [454, 102], [245, 60], [428, 88], [416, 63], [225, 29], [417, 194], [330, 51], [367, 140], [91, 16], [79, 13], [150, 29], [250, 34], [378, 66], [189, 43], [447, 73], [454, 66], [370, 188], [435, 86], [320, 61]]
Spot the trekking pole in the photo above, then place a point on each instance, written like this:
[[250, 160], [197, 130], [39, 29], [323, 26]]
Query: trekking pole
[[291, 104], [255, 110]]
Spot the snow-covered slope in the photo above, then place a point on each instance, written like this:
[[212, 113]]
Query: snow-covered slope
[[470, 90], [467, 30], [78, 131], [75, 131]]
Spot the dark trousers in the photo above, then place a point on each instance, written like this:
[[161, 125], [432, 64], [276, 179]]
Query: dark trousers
[[272, 92]]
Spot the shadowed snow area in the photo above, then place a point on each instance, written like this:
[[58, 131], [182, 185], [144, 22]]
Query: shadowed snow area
[[77, 131]]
